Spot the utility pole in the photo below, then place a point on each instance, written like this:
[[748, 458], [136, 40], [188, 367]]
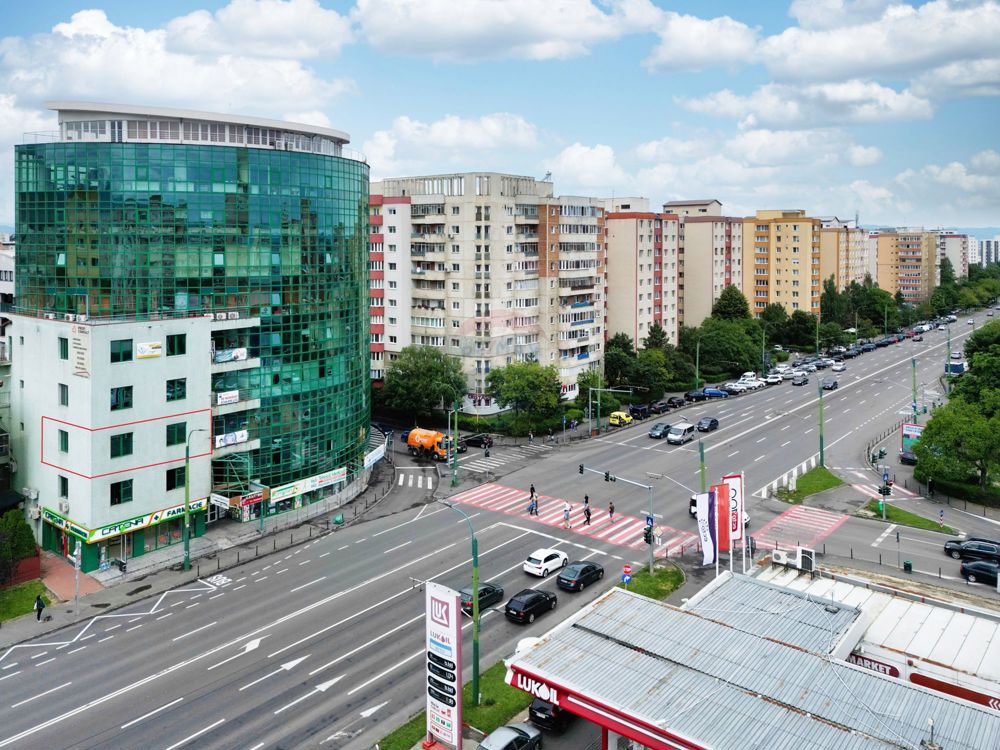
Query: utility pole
[[701, 461], [187, 497], [947, 361], [913, 367], [590, 403], [697, 363], [453, 443], [821, 445]]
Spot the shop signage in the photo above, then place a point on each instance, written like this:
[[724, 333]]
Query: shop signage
[[219, 500], [148, 350], [227, 397], [374, 456], [122, 527], [79, 344], [873, 664], [537, 688], [65, 524], [252, 497], [443, 663], [231, 438], [293, 489]]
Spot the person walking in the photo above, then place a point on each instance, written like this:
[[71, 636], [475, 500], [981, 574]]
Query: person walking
[[611, 511], [586, 510], [531, 437], [552, 438], [39, 606], [567, 509]]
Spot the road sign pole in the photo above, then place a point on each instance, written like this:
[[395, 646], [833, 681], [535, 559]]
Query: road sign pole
[[701, 460], [649, 522], [821, 444], [913, 361]]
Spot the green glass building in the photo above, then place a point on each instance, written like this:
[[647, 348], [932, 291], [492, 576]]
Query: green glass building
[[154, 214]]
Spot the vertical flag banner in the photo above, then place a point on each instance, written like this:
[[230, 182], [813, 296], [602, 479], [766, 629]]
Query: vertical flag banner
[[721, 494], [706, 527], [736, 504], [443, 673]]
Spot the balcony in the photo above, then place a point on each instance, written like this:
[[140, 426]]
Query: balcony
[[4, 353]]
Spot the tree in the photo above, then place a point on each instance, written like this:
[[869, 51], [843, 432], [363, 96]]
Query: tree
[[959, 443], [831, 334], [801, 329], [656, 338], [525, 386], [16, 543], [775, 316], [586, 381], [421, 380], [618, 366], [731, 305], [651, 373], [947, 273], [726, 346], [622, 342], [834, 305], [967, 299]]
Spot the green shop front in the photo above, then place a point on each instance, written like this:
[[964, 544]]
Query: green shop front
[[121, 540]]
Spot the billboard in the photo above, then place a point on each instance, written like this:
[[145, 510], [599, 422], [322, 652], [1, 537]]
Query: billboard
[[148, 350], [443, 665], [911, 435], [720, 497], [705, 512], [736, 504]]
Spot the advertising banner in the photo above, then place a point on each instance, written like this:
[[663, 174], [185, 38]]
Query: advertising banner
[[736, 504], [372, 458], [706, 527], [720, 497], [227, 397], [79, 345], [443, 667], [148, 350], [911, 435], [293, 489]]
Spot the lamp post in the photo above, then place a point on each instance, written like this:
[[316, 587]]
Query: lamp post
[[453, 443], [821, 443], [475, 600], [187, 497], [913, 364], [590, 409], [947, 360]]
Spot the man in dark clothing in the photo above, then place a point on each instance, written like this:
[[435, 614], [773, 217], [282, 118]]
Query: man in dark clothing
[[611, 511], [39, 606]]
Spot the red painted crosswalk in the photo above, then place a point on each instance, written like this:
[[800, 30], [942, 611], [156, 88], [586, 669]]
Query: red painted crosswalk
[[625, 531], [798, 526]]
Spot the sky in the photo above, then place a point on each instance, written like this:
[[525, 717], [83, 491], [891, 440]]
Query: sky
[[884, 109]]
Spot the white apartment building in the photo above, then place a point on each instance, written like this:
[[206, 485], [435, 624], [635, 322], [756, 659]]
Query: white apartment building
[[843, 252], [989, 251], [955, 247], [491, 268]]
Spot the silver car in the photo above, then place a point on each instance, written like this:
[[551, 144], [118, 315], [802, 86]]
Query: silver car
[[518, 736]]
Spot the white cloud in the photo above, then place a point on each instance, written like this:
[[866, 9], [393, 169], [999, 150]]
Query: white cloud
[[692, 43], [987, 161], [485, 29], [674, 149], [594, 167], [956, 192], [864, 156], [961, 79], [15, 122], [314, 117], [831, 14], [271, 28]]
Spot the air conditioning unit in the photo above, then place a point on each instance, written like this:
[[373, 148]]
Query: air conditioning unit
[[69, 316], [31, 493], [50, 316], [64, 506], [34, 512], [233, 316], [807, 559], [210, 316], [784, 557], [81, 318], [220, 316]]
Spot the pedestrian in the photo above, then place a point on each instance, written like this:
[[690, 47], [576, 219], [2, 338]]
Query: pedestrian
[[532, 490], [552, 438], [39, 606], [586, 515], [531, 437], [611, 511], [567, 508]]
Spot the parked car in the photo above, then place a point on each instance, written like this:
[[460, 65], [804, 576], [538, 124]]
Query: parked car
[[980, 571], [918, 337], [547, 716], [489, 593], [660, 407], [715, 393], [707, 424], [800, 380], [852, 353], [839, 367], [971, 322], [383, 428], [518, 736], [659, 430], [638, 411], [753, 383], [734, 387], [676, 402], [868, 347], [788, 375], [619, 419], [822, 364], [908, 458], [774, 378], [697, 395], [528, 604], [829, 384], [578, 575], [974, 548], [543, 561], [480, 440], [809, 367]]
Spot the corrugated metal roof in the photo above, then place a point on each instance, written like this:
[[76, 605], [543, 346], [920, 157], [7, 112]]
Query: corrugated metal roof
[[727, 688], [793, 617]]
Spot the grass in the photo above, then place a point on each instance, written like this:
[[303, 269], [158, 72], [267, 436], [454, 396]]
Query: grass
[[664, 581], [20, 600], [905, 518], [815, 480]]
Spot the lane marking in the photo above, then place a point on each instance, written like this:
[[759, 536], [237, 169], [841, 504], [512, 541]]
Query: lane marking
[[81, 648], [196, 630], [151, 713], [47, 661], [324, 554], [163, 617], [299, 588], [12, 674], [106, 639], [35, 697], [241, 586], [133, 627], [199, 733]]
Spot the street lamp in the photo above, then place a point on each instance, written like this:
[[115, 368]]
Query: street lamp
[[187, 497], [475, 601], [821, 444]]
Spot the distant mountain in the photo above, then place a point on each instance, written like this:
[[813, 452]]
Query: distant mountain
[[983, 233]]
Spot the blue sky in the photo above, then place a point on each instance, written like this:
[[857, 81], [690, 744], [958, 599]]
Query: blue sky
[[884, 108]]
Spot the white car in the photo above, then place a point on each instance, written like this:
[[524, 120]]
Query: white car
[[808, 368], [839, 367], [755, 383], [748, 376], [736, 387], [543, 561], [774, 378], [788, 374], [971, 322]]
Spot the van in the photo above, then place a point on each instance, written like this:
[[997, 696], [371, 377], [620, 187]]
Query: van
[[681, 433], [619, 419]]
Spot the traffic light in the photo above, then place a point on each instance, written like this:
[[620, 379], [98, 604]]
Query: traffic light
[[607, 476], [885, 489], [881, 452], [581, 468], [647, 535]]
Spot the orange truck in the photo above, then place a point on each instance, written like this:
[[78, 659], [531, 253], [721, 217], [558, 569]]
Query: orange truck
[[428, 444]]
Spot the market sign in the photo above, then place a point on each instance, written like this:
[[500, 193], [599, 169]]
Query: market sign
[[227, 397], [873, 664], [148, 350], [294, 489], [911, 435], [443, 663]]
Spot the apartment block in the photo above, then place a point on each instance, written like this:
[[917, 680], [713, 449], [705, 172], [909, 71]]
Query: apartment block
[[493, 269], [783, 249], [907, 262], [989, 251], [955, 247], [843, 252]]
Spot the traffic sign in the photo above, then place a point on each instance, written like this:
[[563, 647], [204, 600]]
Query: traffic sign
[[626, 578], [649, 520], [885, 477], [627, 569]]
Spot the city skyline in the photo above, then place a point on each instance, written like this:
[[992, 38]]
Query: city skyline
[[878, 108]]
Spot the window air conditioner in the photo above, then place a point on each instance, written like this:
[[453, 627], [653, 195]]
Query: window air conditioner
[[68, 316], [64, 506], [782, 557], [35, 512], [50, 316], [81, 318], [233, 316]]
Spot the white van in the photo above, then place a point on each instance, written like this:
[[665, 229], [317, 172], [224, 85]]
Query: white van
[[681, 433]]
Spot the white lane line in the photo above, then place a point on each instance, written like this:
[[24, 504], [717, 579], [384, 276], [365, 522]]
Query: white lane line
[[134, 619], [81, 648], [259, 745], [786, 427], [192, 605], [808, 431], [286, 557], [258, 580], [344, 547], [196, 630], [731, 454], [888, 530], [40, 655], [108, 638], [199, 733], [391, 669], [113, 627], [133, 627], [277, 573], [151, 713], [176, 604], [35, 697], [303, 562], [243, 578], [759, 458], [47, 661], [221, 593], [9, 666], [89, 635], [787, 442], [10, 675], [299, 588], [241, 586], [400, 546], [324, 554]]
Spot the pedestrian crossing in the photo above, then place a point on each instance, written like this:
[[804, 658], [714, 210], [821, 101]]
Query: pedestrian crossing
[[415, 479], [625, 531], [500, 455], [871, 489], [799, 526]]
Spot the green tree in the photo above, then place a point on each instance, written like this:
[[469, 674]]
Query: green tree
[[679, 365], [801, 329], [831, 334], [622, 342], [947, 273], [618, 366], [656, 338], [421, 380], [775, 315], [16, 543], [525, 386], [959, 443], [731, 305], [835, 305], [726, 346], [651, 374], [967, 299]]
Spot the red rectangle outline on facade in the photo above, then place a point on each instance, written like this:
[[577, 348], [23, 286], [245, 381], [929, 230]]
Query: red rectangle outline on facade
[[116, 426]]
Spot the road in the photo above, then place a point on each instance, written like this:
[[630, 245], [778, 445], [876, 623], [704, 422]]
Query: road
[[322, 646]]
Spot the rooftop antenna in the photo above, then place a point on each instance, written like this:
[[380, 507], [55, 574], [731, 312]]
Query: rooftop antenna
[[547, 177], [930, 744]]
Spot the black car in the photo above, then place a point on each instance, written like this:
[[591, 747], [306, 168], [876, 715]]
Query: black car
[[659, 430], [544, 714], [973, 549], [869, 347], [695, 395], [480, 440], [851, 353], [829, 384], [676, 402], [638, 411], [908, 458], [800, 380], [881, 343], [707, 424], [660, 407], [577, 575], [980, 571], [526, 605], [489, 593], [382, 427]]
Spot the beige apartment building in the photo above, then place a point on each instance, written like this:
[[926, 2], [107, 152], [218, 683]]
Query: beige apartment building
[[843, 252], [783, 249], [907, 262], [491, 268], [956, 248]]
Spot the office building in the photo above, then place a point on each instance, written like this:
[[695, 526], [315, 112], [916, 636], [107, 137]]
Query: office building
[[185, 280], [783, 249]]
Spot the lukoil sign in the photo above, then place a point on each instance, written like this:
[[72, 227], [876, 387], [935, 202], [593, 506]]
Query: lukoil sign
[[537, 688]]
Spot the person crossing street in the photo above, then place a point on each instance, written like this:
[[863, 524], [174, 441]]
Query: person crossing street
[[586, 510]]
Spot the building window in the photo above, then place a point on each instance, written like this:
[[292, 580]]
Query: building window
[[63, 441], [175, 433], [63, 347], [121, 350], [176, 389], [121, 398], [63, 394], [175, 478], [176, 344], [63, 486], [121, 445], [121, 492]]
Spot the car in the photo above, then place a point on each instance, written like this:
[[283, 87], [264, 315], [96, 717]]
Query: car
[[942, 327], [480, 440], [383, 428], [822, 364], [548, 716], [715, 393], [909, 458], [974, 548], [734, 387], [868, 347], [489, 593], [660, 407], [788, 375], [989, 313], [578, 575], [978, 571], [800, 380], [918, 337], [810, 367], [518, 736], [638, 411], [707, 424], [753, 383], [676, 402], [619, 419], [839, 367], [777, 348], [971, 322], [659, 430], [695, 395], [462, 447], [774, 378], [829, 384], [956, 354], [852, 353], [528, 604], [543, 561]]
